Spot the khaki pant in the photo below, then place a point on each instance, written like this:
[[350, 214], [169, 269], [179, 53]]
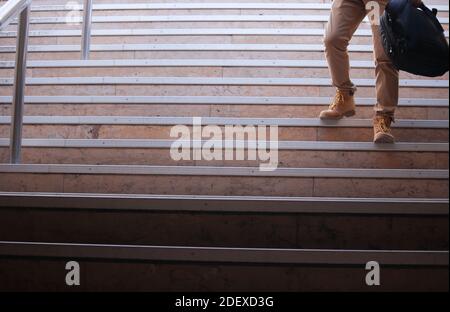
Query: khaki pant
[[346, 16]]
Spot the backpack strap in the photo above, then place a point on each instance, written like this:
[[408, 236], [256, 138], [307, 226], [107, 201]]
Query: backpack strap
[[432, 15]]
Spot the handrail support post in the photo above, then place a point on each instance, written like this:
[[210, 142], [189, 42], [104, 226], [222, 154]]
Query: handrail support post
[[87, 25], [19, 87]]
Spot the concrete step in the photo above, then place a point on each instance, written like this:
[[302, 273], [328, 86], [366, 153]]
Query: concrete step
[[296, 129], [53, 2], [185, 39], [187, 50], [180, 21], [173, 47], [217, 106], [338, 201], [249, 269], [406, 83], [239, 222], [131, 19], [308, 133], [291, 154], [315, 38], [191, 68], [186, 35], [236, 181], [211, 86], [176, 7], [362, 31], [202, 21]]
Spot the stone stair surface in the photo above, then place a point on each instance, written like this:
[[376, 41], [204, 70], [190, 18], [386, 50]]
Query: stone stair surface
[[97, 182]]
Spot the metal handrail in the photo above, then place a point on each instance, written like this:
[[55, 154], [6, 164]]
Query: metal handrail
[[7, 13], [87, 24], [10, 10]]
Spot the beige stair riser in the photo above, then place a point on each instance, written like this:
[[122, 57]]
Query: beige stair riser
[[218, 39], [203, 71], [205, 18], [251, 230], [220, 110], [177, 25], [237, 230], [287, 2], [177, 20], [206, 11], [236, 2], [62, 11], [211, 90], [163, 132], [193, 11], [198, 21], [236, 186], [241, 55], [173, 7], [292, 159], [32, 275], [181, 24], [68, 55], [208, 30], [191, 39], [9, 46], [162, 12]]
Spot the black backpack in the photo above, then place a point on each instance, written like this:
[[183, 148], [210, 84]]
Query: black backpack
[[414, 39]]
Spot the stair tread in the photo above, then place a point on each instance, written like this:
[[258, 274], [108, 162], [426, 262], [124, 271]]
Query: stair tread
[[221, 198], [197, 17], [282, 145], [220, 204], [185, 47], [181, 62], [184, 32], [226, 171], [229, 255], [216, 100], [248, 81], [329, 213], [169, 121], [205, 5], [194, 17]]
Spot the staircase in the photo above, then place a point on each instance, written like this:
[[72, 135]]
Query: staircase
[[97, 183]]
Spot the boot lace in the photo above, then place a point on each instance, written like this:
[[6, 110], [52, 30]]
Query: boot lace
[[383, 124], [339, 99]]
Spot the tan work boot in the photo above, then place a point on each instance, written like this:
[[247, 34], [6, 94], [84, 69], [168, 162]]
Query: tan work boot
[[382, 129], [343, 105]]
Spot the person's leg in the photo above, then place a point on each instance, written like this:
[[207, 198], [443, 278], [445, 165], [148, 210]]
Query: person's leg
[[345, 17], [387, 86]]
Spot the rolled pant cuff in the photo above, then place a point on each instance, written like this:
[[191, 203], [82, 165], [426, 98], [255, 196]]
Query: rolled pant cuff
[[349, 89], [386, 112]]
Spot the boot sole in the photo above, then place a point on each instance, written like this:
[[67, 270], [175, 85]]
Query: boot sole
[[347, 114], [384, 139]]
